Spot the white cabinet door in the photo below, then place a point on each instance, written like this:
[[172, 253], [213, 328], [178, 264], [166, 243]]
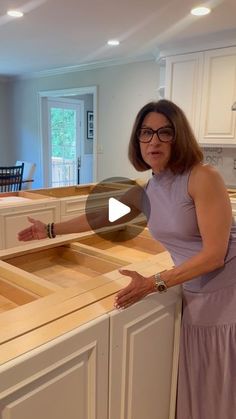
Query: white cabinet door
[[204, 86], [73, 206], [14, 219], [183, 78], [64, 379], [218, 121], [144, 341]]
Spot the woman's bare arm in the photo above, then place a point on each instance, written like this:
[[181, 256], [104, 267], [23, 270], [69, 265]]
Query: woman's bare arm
[[214, 215]]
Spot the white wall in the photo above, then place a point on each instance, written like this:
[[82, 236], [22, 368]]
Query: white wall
[[122, 90], [5, 126]]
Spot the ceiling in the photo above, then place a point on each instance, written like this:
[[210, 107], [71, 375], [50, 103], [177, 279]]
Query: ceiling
[[56, 34]]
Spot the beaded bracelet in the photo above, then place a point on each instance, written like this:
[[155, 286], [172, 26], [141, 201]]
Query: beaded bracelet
[[50, 231]]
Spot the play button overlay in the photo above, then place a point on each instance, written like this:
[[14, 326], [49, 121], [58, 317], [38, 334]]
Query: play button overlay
[[117, 209]]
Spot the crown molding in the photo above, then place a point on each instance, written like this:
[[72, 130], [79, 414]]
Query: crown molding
[[86, 66], [201, 43]]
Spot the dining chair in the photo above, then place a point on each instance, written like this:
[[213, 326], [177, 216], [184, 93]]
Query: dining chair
[[11, 178], [28, 176]]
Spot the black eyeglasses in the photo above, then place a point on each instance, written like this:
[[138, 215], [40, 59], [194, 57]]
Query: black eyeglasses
[[165, 134]]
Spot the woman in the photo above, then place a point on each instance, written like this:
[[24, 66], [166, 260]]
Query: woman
[[191, 215]]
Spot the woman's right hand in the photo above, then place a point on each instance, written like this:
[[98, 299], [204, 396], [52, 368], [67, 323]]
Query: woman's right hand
[[36, 231]]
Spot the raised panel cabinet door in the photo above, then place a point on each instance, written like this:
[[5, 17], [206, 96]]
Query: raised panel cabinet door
[[64, 379], [217, 120], [14, 219], [144, 343], [183, 84], [73, 206]]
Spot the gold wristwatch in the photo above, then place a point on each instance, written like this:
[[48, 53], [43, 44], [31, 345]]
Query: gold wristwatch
[[160, 285]]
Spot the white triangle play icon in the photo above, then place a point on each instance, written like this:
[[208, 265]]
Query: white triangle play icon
[[116, 210]]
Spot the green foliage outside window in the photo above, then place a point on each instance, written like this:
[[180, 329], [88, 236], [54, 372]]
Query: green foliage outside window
[[63, 133]]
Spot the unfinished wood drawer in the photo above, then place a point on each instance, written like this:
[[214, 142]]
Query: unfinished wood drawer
[[81, 190], [77, 190], [18, 288], [12, 296], [73, 198], [12, 198], [69, 280], [124, 243], [64, 266]]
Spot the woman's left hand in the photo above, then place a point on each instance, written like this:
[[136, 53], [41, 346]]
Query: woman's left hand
[[138, 287]]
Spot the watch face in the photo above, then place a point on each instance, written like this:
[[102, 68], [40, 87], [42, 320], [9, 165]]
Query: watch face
[[162, 287], [160, 284]]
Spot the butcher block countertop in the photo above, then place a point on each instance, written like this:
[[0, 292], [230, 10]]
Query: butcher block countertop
[[50, 287]]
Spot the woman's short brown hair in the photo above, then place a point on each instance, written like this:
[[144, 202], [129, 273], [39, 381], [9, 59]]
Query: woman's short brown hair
[[185, 150]]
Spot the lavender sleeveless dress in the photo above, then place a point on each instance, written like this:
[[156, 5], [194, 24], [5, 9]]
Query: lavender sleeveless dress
[[207, 363]]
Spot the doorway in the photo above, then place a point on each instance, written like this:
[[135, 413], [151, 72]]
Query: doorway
[[65, 141], [69, 147]]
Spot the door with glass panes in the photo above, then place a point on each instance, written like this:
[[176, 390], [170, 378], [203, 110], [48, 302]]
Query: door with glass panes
[[65, 142]]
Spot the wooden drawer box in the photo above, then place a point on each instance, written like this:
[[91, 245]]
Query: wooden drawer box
[[124, 243], [13, 295], [83, 264], [20, 197], [73, 198], [65, 191], [65, 267], [81, 190]]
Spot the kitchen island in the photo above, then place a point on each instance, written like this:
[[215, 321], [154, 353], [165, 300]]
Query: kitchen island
[[65, 352]]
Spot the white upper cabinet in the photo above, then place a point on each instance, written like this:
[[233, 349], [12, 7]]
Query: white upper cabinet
[[217, 122], [204, 86], [183, 78]]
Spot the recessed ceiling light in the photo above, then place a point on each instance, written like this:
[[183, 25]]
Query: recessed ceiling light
[[200, 11], [113, 42], [15, 13]]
